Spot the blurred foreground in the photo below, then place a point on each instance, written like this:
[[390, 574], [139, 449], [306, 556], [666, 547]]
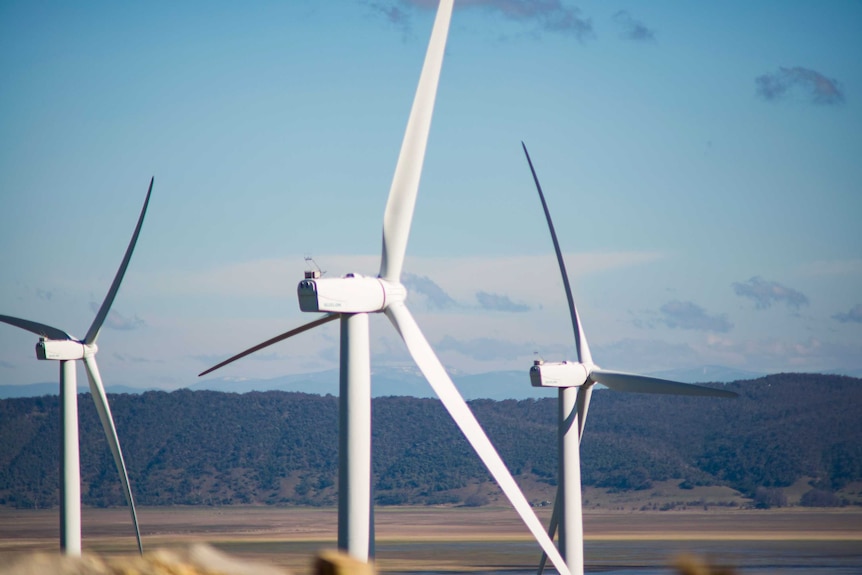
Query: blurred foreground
[[201, 559]]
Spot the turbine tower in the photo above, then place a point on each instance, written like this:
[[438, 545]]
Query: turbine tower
[[575, 381], [55, 344], [352, 297]]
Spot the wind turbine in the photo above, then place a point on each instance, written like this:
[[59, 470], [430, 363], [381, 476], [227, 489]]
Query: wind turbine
[[55, 344], [352, 297], [575, 381]]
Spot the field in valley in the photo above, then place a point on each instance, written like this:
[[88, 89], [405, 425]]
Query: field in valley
[[443, 538]]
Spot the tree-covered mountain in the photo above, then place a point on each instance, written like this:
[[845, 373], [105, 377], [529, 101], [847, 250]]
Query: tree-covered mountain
[[206, 447]]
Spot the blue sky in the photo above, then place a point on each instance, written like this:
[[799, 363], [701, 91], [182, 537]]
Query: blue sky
[[701, 161]]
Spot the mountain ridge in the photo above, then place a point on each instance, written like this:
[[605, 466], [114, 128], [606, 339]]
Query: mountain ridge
[[207, 447]]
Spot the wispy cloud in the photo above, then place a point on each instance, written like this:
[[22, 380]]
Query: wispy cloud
[[774, 355], [497, 302], [816, 87], [395, 14], [633, 29], [45, 295], [832, 268], [548, 15], [485, 348], [6, 364], [642, 355], [689, 315], [117, 321], [854, 315], [126, 358], [434, 295], [764, 293]]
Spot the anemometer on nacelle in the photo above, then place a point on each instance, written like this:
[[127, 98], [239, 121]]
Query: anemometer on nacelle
[[315, 272]]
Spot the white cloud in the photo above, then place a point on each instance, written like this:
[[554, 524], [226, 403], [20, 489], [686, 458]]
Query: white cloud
[[458, 278]]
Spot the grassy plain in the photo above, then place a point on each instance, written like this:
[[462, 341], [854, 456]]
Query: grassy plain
[[433, 538]]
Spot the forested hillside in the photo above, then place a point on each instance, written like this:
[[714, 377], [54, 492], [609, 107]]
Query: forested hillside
[[281, 448]]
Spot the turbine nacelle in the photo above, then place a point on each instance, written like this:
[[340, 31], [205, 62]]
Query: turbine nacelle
[[63, 349], [558, 374], [352, 293]]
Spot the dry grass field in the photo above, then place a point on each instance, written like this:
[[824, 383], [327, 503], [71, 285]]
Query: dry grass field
[[428, 538]]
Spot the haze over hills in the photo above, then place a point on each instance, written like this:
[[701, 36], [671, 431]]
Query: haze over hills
[[405, 381], [787, 437]]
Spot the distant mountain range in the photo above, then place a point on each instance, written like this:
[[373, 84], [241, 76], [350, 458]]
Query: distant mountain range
[[408, 381], [707, 374], [40, 389], [386, 381]]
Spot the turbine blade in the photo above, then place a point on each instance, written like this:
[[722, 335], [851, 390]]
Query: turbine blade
[[580, 339], [552, 530], [440, 381], [97, 390], [405, 183], [585, 392], [276, 339], [93, 332], [39, 329], [620, 381]]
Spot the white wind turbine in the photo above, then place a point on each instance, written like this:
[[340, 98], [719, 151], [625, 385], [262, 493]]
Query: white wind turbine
[[55, 344], [575, 381], [353, 297]]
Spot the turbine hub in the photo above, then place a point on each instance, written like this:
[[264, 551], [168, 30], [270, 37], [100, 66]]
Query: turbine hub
[[558, 374], [352, 293]]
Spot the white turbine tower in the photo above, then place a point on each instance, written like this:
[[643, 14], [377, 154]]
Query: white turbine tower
[[55, 344], [575, 381], [352, 297]]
